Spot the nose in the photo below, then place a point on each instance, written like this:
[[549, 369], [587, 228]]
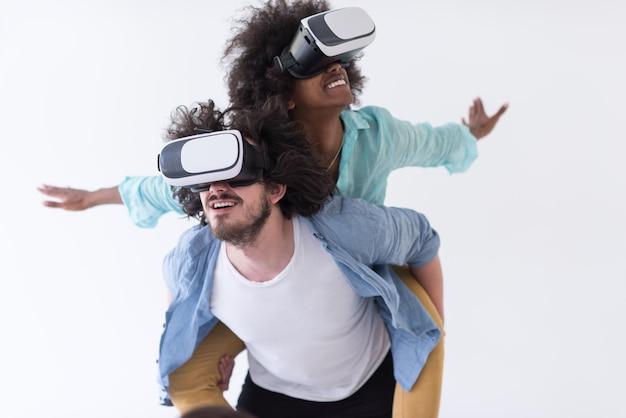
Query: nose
[[217, 187], [333, 68]]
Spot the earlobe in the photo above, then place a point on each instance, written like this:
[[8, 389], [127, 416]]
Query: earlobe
[[290, 105]]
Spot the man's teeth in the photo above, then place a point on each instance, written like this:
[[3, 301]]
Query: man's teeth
[[223, 205], [336, 83]]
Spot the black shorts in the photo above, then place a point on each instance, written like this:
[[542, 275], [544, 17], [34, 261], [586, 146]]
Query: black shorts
[[373, 400]]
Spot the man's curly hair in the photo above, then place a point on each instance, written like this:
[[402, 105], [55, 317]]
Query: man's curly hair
[[309, 185], [258, 37]]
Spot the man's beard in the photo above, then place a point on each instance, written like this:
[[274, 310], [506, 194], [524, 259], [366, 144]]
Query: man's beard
[[244, 233]]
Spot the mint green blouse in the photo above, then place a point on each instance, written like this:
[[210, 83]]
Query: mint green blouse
[[375, 144]]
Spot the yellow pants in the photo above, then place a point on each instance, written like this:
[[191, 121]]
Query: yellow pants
[[194, 384]]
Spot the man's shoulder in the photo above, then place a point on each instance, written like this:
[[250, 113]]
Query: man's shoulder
[[190, 233], [194, 239], [367, 232], [342, 212], [340, 205]]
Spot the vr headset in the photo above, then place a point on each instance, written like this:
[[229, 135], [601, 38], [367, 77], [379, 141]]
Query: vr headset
[[199, 160], [324, 38]]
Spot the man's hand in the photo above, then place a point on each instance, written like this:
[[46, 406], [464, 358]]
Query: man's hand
[[479, 123], [78, 199], [226, 365]]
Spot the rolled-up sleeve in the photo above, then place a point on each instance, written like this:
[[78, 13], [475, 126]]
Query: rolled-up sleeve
[[147, 199], [374, 234]]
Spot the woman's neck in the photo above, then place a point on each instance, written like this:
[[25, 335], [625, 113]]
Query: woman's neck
[[326, 138]]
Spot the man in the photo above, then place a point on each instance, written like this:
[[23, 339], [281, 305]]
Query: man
[[360, 148], [303, 281]]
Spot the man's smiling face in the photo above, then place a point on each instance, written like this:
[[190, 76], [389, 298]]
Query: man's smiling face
[[236, 214]]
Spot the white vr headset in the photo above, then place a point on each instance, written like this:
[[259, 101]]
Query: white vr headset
[[199, 160], [324, 38]]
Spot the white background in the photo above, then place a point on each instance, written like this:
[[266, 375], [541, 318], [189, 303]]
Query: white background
[[533, 234]]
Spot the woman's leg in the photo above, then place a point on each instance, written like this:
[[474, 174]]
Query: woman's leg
[[194, 384], [422, 401]]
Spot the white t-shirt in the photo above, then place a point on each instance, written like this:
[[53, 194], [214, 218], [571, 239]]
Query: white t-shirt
[[308, 335]]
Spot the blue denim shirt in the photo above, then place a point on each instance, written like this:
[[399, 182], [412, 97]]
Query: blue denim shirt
[[375, 144], [362, 238]]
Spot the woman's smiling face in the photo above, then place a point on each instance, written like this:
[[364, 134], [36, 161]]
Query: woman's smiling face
[[330, 88]]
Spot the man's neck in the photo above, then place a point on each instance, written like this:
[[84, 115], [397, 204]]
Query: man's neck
[[270, 253]]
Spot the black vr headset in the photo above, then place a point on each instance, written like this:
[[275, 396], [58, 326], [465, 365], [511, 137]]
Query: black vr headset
[[324, 38], [199, 160]]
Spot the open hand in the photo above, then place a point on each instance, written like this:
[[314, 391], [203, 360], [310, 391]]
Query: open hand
[[479, 123], [66, 197]]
